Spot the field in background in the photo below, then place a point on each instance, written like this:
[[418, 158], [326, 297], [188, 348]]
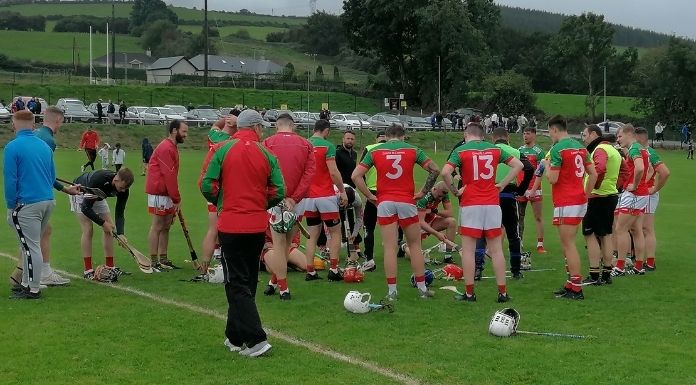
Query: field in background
[[639, 322], [123, 10], [574, 105], [256, 33]]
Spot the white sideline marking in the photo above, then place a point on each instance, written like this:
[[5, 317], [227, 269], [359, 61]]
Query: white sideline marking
[[313, 347]]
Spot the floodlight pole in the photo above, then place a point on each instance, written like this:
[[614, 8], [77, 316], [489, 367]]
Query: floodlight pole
[[605, 93], [205, 34], [90, 55], [113, 40]]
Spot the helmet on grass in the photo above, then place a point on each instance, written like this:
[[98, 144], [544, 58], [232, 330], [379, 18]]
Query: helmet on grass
[[504, 322], [356, 302]]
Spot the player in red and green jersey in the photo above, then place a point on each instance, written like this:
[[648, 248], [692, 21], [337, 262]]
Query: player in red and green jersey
[[433, 220], [321, 204], [662, 173], [216, 135], [535, 154], [480, 215], [567, 166], [632, 203], [396, 202]]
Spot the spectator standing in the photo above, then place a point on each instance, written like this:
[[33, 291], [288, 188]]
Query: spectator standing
[[685, 133], [690, 151], [118, 157], [100, 111], [89, 143], [18, 105], [122, 108], [29, 175], [659, 131], [103, 153], [147, 154], [111, 111], [438, 119]]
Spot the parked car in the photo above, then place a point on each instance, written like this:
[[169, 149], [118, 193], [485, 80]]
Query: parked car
[[64, 102], [5, 115], [382, 121], [159, 115], [610, 127], [224, 111], [74, 112], [315, 117], [133, 113], [272, 115], [202, 117], [415, 123], [179, 109], [347, 121], [304, 118]]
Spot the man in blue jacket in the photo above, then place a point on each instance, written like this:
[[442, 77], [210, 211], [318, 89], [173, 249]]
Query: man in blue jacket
[[29, 175]]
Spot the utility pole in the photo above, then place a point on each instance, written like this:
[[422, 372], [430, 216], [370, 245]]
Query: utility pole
[[107, 53], [113, 40], [90, 55], [125, 67], [205, 34]]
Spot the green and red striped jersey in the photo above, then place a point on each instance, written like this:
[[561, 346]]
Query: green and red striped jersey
[[477, 161], [636, 151], [243, 179], [655, 161], [571, 158], [394, 162], [324, 152]]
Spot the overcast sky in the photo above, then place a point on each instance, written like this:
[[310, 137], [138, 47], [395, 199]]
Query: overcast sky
[[667, 16]]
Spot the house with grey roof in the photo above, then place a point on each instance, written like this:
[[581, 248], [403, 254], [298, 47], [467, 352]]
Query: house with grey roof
[[229, 66], [162, 70], [130, 60]]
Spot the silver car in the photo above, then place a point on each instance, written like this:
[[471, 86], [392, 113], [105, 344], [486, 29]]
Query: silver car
[[202, 117], [347, 121], [5, 115], [74, 112]]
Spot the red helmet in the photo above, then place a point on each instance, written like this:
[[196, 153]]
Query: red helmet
[[352, 275], [452, 272]]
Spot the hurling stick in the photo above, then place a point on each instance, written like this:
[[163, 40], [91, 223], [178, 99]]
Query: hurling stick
[[91, 190], [143, 262], [194, 256], [303, 229]]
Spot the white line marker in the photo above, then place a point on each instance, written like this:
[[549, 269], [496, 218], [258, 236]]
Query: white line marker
[[313, 347]]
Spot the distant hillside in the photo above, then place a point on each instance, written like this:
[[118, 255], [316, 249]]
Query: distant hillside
[[540, 21]]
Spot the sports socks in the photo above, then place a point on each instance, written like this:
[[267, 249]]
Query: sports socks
[[639, 265], [334, 264], [109, 261], [502, 289], [310, 270], [273, 281], [88, 263], [163, 257], [606, 273], [594, 273], [470, 290], [420, 283], [650, 262], [283, 285], [391, 284], [154, 259], [620, 264], [575, 283], [540, 241]]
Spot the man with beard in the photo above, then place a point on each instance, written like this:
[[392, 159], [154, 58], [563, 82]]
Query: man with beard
[[163, 197], [598, 222]]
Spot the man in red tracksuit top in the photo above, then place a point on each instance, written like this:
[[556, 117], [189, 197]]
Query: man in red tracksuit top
[[89, 142], [297, 162], [163, 198], [243, 180]]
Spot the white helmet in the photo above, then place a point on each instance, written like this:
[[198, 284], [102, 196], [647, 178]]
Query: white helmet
[[356, 302], [504, 322], [215, 274]]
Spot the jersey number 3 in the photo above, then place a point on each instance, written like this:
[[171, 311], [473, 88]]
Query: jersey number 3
[[488, 170], [397, 169]]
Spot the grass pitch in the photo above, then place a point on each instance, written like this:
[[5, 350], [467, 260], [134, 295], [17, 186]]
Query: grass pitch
[[94, 334]]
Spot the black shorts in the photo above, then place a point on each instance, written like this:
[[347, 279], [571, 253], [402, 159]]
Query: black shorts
[[599, 219]]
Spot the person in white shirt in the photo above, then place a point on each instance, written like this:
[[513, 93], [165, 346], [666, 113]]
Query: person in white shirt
[[118, 156], [104, 155], [659, 128]]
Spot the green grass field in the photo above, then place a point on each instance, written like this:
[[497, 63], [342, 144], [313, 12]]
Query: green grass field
[[574, 105], [123, 10], [57, 47], [94, 334], [256, 33]]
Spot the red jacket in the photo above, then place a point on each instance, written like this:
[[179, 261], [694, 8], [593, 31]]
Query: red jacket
[[297, 162], [163, 170], [90, 140], [243, 180]]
